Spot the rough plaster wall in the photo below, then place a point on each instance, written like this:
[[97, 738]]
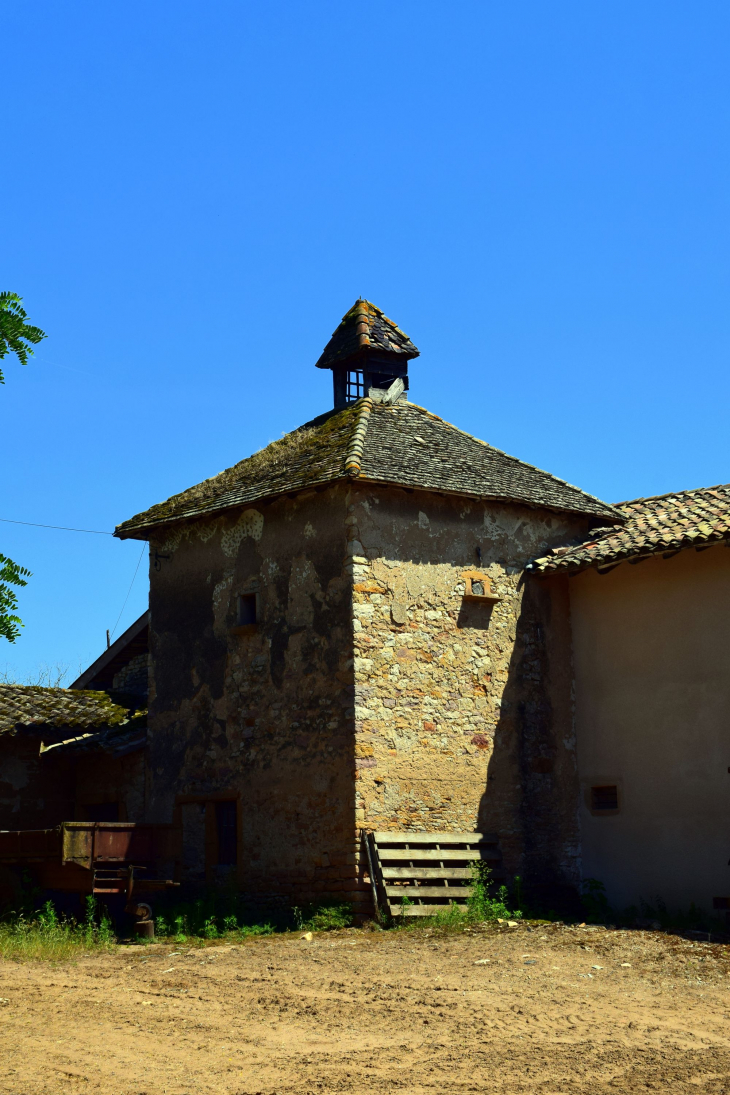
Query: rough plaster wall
[[266, 713], [463, 710], [652, 669]]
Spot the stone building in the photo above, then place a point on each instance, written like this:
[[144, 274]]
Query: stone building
[[381, 623], [342, 638]]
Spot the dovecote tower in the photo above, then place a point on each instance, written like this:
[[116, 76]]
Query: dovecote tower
[[367, 355]]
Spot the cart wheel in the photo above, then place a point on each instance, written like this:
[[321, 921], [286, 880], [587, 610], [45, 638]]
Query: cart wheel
[[140, 910]]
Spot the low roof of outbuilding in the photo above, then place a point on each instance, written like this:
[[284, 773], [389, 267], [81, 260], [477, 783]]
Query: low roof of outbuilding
[[663, 524], [29, 706], [398, 444]]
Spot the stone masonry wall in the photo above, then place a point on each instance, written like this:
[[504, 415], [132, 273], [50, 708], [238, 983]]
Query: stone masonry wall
[[463, 710], [263, 713], [132, 679], [370, 694]]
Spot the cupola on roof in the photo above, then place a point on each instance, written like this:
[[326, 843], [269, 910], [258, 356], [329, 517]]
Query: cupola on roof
[[364, 329], [378, 437], [367, 352]]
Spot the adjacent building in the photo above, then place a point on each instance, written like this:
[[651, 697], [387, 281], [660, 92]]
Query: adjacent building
[[650, 621]]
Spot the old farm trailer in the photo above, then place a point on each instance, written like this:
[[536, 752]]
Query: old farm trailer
[[111, 859]]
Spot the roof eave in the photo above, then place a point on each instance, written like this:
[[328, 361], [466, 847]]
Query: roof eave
[[144, 531], [126, 531], [479, 496], [608, 562]]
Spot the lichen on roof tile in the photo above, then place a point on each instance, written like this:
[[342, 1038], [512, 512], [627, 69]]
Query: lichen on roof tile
[[27, 705], [401, 445]]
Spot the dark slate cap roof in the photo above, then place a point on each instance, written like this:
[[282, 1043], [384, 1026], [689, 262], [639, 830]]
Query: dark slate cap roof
[[667, 522], [29, 706], [364, 328], [399, 444]]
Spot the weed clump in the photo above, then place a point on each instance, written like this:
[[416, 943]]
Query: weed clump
[[48, 936], [323, 918], [486, 902]]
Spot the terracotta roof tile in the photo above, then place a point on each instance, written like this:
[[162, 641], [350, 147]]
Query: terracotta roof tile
[[667, 522], [402, 444]]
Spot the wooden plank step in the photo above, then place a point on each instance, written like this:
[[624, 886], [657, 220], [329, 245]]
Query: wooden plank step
[[443, 854], [427, 872], [422, 910], [449, 893], [435, 838]]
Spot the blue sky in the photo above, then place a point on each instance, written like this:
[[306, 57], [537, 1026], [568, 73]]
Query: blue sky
[[193, 195]]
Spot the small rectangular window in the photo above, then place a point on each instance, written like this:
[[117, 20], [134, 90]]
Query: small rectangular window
[[355, 385], [247, 609], [604, 799], [225, 818]]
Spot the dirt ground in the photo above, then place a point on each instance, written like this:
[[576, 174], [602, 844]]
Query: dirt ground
[[542, 1009]]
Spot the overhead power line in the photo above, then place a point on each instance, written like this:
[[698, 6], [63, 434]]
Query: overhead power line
[[116, 625], [61, 528]]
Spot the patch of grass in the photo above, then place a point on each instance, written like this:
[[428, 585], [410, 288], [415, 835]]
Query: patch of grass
[[323, 918], [186, 927], [217, 915], [47, 936]]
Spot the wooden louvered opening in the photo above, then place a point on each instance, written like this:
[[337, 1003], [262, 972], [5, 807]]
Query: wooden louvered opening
[[421, 874], [355, 385]]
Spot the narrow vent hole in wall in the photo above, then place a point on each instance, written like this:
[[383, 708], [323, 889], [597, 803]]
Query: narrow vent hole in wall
[[246, 609], [604, 798]]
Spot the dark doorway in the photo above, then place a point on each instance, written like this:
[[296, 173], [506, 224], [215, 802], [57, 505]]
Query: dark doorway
[[226, 825]]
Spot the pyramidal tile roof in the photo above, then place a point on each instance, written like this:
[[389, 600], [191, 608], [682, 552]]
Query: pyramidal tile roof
[[665, 523], [361, 329], [400, 444]]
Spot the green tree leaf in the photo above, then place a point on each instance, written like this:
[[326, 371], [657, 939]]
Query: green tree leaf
[[16, 335], [11, 574]]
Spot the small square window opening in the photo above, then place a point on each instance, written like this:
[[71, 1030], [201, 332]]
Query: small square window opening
[[604, 798], [247, 609]]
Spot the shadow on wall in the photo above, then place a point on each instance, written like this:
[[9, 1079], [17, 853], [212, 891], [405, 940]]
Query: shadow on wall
[[531, 798]]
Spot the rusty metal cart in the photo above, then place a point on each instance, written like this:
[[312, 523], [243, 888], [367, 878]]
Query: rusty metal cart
[[112, 859]]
